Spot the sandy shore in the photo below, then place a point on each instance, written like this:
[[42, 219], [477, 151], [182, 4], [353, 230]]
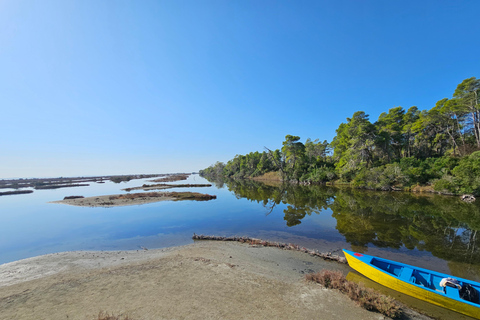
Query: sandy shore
[[205, 280]]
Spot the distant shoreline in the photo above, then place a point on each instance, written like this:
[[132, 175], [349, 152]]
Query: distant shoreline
[[67, 182]]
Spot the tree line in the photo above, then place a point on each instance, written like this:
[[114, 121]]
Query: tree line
[[402, 149]]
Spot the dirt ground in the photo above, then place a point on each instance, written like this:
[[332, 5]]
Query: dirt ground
[[205, 280]]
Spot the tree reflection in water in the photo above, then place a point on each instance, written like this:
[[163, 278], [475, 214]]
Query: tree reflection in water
[[442, 225]]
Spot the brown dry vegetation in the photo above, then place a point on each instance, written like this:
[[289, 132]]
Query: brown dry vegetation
[[269, 176], [365, 297], [7, 193], [191, 196], [132, 196], [419, 188], [166, 186], [175, 177], [175, 195]]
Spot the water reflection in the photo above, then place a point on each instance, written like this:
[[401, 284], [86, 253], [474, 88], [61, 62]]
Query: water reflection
[[300, 200], [444, 226]]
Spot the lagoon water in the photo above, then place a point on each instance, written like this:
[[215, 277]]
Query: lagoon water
[[435, 232]]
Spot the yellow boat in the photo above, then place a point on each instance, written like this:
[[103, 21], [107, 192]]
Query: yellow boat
[[453, 293]]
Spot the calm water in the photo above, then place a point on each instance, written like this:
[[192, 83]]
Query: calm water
[[434, 232]]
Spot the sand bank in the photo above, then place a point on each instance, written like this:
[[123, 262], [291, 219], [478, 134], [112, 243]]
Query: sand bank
[[117, 200], [160, 186], [205, 280]]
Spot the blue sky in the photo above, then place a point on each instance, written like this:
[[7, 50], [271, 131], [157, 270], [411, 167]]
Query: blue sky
[[94, 87]]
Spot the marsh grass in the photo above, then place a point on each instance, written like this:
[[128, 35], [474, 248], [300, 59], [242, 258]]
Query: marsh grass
[[365, 297], [176, 195]]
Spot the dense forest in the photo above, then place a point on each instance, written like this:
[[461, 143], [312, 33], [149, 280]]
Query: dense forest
[[438, 148]]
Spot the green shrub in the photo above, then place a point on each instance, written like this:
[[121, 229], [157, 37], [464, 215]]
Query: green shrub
[[380, 178], [467, 174], [319, 175], [446, 185]]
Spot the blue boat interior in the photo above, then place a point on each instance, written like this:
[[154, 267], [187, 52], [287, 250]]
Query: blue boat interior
[[388, 267], [429, 280]]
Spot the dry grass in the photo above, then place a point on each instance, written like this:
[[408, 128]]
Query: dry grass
[[269, 176], [175, 177], [365, 297], [106, 316], [191, 196], [139, 195], [419, 188], [176, 195]]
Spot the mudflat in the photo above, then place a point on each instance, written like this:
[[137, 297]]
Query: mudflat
[[130, 199], [116, 200], [204, 280]]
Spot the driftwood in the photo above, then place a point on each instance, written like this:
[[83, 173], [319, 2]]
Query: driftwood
[[285, 246]]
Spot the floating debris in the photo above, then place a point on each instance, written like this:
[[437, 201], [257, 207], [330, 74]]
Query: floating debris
[[285, 246]]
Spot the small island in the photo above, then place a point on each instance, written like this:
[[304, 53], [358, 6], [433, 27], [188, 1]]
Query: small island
[[160, 186], [130, 199]]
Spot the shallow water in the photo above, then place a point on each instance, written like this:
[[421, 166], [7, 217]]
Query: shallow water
[[434, 232]]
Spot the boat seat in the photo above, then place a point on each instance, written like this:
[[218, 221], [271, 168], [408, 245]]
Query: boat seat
[[451, 292], [407, 274], [420, 278]]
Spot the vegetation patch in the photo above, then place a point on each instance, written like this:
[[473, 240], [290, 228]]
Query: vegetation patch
[[7, 193], [191, 196], [118, 179], [61, 182], [73, 197], [365, 297], [419, 188], [166, 186], [176, 195], [269, 176], [58, 186], [173, 177]]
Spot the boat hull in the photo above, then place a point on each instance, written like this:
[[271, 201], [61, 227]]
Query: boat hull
[[404, 286]]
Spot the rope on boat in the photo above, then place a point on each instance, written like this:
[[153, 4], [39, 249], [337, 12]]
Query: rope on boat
[[285, 246]]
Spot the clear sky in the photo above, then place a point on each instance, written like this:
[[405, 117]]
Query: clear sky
[[90, 87]]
